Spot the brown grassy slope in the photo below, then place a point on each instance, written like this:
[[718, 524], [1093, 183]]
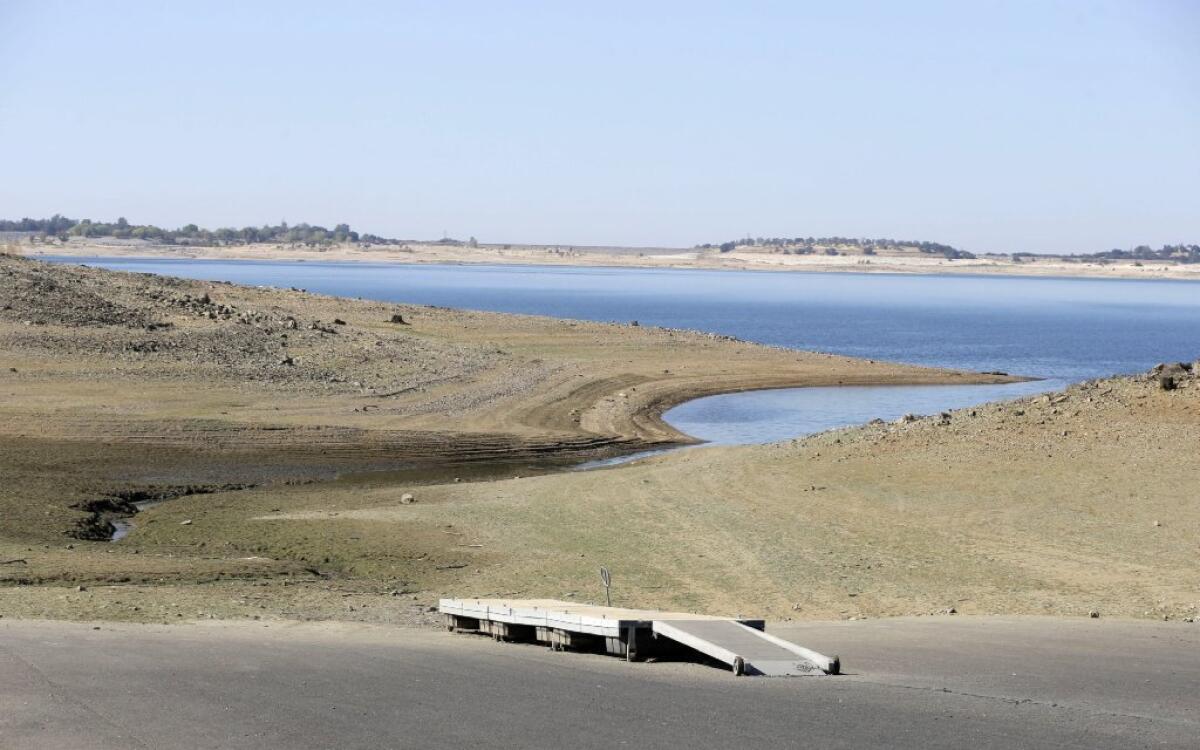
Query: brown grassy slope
[[96, 351], [1064, 504], [115, 386]]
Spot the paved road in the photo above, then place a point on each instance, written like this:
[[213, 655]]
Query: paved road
[[912, 683]]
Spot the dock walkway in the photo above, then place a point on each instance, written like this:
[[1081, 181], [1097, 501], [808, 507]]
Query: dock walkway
[[740, 643]]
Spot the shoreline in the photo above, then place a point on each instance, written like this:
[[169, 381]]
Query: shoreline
[[616, 258], [640, 425], [240, 401], [297, 433]]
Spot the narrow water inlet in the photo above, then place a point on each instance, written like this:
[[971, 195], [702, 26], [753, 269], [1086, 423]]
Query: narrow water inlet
[[109, 517], [122, 526], [120, 529]]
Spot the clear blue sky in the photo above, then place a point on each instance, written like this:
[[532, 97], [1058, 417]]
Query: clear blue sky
[[1010, 126]]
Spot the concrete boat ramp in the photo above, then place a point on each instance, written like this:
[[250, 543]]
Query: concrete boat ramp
[[635, 634]]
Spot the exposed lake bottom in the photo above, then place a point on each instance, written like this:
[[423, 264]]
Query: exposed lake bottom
[[1060, 330]]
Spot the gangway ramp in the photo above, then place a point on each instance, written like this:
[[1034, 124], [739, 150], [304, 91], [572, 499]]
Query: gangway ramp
[[739, 642], [747, 650]]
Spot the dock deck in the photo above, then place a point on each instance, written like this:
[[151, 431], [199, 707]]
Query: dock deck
[[741, 643]]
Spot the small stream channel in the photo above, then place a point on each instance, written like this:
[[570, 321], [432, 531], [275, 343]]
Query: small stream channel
[[123, 525], [110, 515]]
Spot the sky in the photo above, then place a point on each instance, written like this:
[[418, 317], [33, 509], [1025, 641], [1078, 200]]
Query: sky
[[991, 126]]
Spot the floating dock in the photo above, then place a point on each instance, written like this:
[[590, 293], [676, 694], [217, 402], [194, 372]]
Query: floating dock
[[742, 644]]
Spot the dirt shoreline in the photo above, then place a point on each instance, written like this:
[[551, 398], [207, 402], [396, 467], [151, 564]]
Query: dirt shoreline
[[119, 385], [741, 260], [1062, 504]]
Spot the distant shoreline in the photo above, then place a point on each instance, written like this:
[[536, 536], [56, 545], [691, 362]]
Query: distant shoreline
[[529, 255]]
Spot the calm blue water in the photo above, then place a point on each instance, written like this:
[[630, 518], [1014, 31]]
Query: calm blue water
[[738, 418], [1063, 330]]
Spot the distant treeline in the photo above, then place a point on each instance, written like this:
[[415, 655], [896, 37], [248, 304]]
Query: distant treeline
[[308, 234], [1176, 253], [832, 245]]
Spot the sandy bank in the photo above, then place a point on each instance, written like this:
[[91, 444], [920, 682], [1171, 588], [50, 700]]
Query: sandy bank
[[641, 258]]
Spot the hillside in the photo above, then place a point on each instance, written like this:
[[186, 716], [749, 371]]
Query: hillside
[[118, 389], [1077, 502]]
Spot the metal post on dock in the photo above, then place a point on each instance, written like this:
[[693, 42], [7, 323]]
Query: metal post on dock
[[606, 581]]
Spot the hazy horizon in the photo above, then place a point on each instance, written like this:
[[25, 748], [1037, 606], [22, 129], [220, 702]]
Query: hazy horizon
[[1015, 127]]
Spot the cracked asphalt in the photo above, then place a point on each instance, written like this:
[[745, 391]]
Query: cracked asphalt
[[945, 682]]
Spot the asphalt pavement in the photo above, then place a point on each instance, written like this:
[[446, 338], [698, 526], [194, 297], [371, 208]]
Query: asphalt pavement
[[947, 682]]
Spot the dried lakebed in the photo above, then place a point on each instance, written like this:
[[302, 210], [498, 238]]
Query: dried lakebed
[[743, 418], [127, 382]]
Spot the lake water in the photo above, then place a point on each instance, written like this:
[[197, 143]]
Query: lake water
[[1062, 330]]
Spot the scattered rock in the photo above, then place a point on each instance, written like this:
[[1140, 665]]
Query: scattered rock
[[187, 522], [1172, 369], [407, 499], [1094, 614]]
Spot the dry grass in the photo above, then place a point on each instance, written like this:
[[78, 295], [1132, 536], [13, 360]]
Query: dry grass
[[994, 513], [116, 383]]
